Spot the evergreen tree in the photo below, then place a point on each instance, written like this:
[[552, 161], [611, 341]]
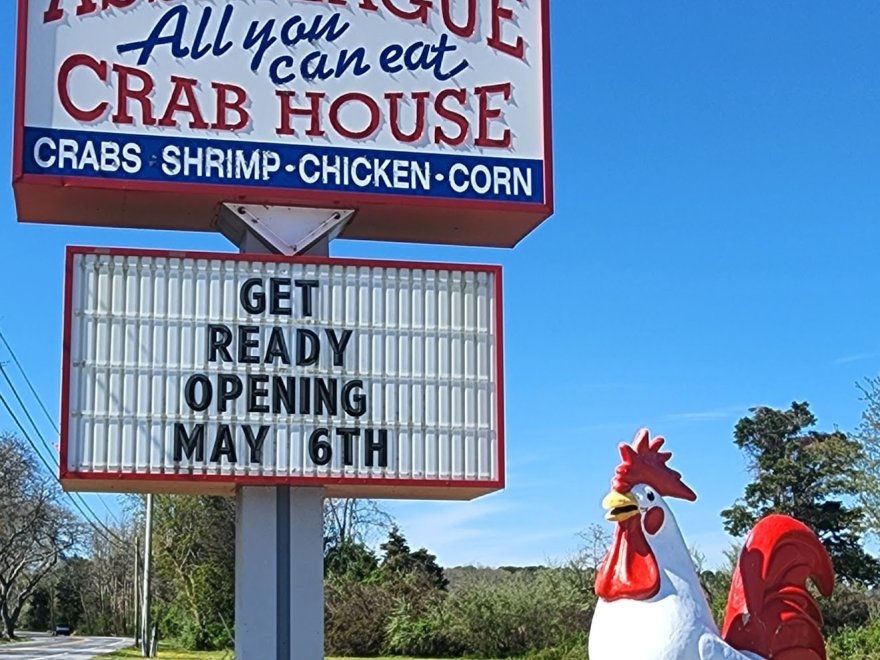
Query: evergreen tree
[[398, 560], [351, 560], [38, 616], [810, 475], [69, 589]]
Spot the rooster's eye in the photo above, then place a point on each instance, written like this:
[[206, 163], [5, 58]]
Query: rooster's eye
[[650, 496]]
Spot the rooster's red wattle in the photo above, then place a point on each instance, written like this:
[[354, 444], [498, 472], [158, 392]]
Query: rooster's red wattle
[[651, 604]]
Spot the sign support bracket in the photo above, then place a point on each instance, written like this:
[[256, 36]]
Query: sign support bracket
[[279, 531], [286, 230]]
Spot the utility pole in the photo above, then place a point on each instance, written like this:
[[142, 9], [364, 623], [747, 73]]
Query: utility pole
[[146, 651], [137, 563]]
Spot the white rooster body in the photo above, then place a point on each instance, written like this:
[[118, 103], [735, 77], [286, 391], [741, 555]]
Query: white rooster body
[[676, 623], [651, 603]]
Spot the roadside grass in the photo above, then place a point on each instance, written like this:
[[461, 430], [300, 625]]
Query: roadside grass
[[175, 654]]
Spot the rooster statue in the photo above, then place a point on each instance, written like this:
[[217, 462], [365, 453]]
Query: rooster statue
[[651, 605]]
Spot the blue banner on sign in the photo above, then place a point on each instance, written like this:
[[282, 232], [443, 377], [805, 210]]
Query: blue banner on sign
[[231, 163]]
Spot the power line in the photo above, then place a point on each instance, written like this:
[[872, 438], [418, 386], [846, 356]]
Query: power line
[[43, 407], [29, 384], [40, 435], [96, 524]]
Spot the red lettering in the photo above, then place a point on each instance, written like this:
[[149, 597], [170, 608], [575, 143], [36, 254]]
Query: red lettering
[[496, 40], [100, 70], [225, 105], [467, 30], [420, 13], [421, 99], [86, 7], [372, 107], [183, 99], [124, 75], [369, 5], [54, 12], [487, 114], [288, 112], [440, 136]]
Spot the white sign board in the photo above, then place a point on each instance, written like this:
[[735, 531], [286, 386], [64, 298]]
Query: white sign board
[[397, 104], [190, 372]]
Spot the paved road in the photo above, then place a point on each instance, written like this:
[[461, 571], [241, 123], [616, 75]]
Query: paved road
[[43, 647]]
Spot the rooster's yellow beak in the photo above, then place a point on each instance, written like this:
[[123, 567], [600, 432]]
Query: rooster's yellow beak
[[620, 506]]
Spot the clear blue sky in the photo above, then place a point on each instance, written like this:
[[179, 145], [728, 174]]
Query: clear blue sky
[[714, 248]]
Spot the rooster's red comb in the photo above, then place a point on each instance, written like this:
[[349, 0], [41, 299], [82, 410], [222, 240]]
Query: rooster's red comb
[[644, 463]]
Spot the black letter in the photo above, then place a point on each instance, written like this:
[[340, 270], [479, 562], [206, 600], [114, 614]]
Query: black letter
[[189, 444], [314, 347], [320, 450], [277, 347], [338, 345], [189, 392], [255, 393], [256, 444], [326, 396], [254, 302], [348, 435], [230, 388], [354, 405], [283, 392], [223, 445], [277, 295], [380, 445], [219, 338], [305, 396], [245, 343], [306, 287]]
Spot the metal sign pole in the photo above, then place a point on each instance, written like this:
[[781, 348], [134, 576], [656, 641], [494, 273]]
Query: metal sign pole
[[279, 535], [148, 559]]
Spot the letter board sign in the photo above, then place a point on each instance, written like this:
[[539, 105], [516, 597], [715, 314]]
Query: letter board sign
[[429, 117], [198, 372]]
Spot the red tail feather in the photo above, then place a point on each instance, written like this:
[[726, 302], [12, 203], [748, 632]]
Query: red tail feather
[[769, 610]]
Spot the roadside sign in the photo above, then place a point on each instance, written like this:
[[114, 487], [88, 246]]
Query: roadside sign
[[431, 119], [197, 373]]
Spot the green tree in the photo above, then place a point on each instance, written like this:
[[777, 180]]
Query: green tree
[[38, 615], [194, 555], [70, 587], [399, 561], [809, 475], [868, 434], [351, 559]]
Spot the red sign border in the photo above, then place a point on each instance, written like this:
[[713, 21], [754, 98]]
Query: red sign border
[[377, 487], [368, 224]]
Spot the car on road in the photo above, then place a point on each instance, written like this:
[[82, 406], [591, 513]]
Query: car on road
[[62, 629]]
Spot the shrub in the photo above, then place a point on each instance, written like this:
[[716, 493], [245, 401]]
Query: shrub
[[521, 613], [574, 649], [431, 634], [856, 643], [848, 607], [355, 616]]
